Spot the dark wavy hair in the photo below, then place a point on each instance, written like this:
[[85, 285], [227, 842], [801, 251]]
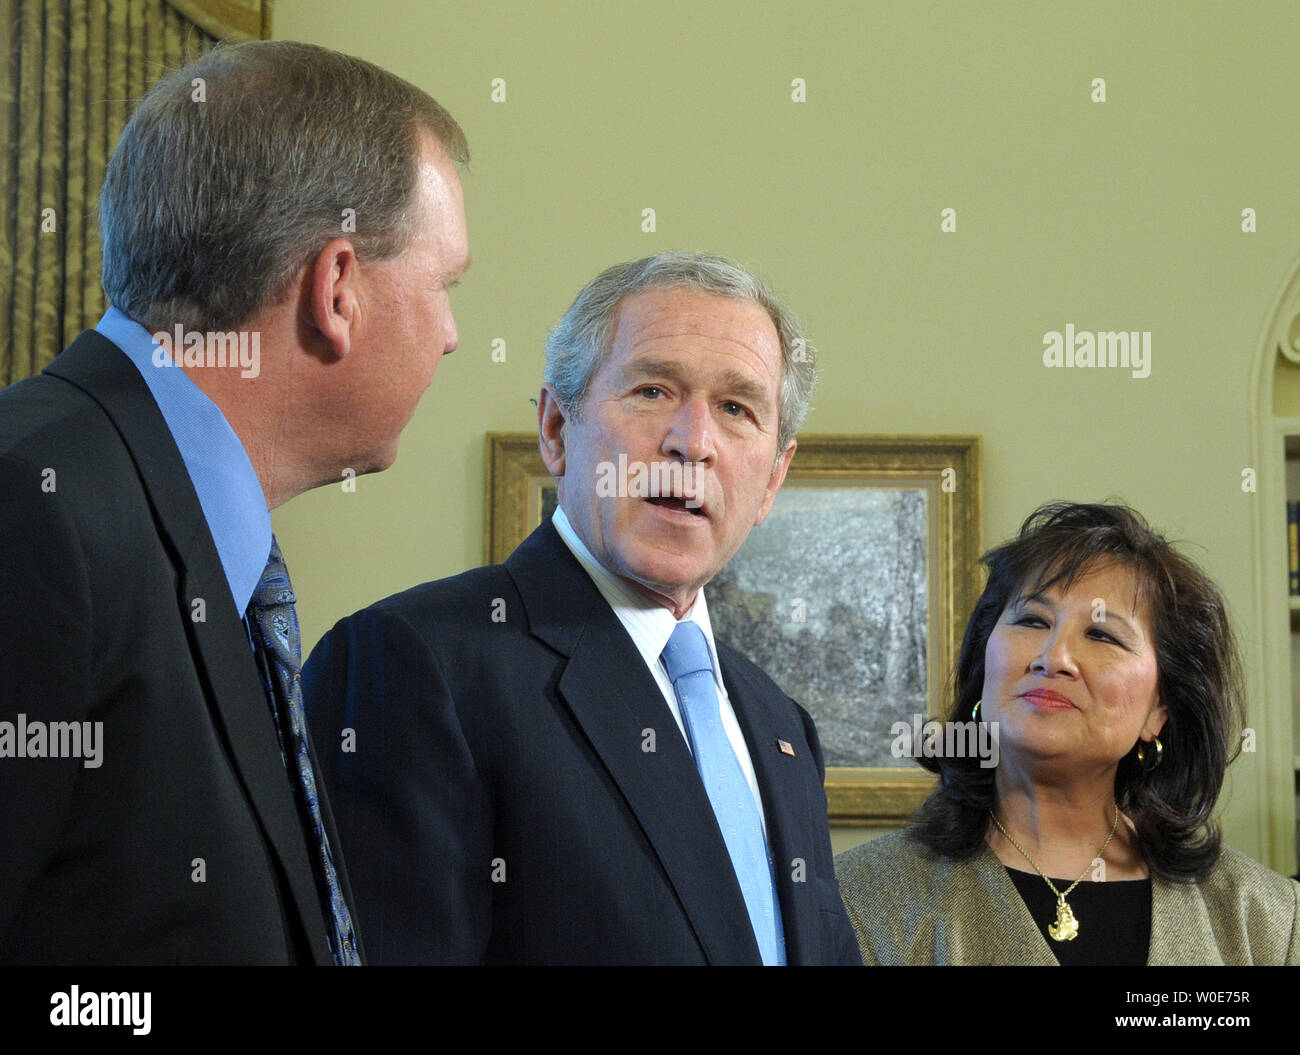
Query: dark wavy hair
[[1199, 681]]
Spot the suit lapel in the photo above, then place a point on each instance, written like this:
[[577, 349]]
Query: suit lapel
[[223, 657], [1181, 930], [614, 700], [1001, 920]]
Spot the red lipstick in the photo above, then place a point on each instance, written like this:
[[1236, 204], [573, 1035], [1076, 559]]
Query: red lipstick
[[1048, 700]]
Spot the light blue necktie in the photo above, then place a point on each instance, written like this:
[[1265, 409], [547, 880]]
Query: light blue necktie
[[686, 656]]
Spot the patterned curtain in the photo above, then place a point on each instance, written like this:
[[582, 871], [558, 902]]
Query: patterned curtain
[[73, 70]]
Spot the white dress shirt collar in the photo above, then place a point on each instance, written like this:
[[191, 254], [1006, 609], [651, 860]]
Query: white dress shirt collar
[[649, 624]]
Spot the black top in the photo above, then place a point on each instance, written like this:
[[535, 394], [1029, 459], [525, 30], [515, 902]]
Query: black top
[[1114, 919]]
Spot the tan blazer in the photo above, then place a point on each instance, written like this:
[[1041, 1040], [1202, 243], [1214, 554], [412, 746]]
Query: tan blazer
[[911, 906]]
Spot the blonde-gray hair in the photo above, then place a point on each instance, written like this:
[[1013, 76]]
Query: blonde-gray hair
[[235, 171]]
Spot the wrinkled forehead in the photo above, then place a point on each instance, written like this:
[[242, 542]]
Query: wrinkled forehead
[[668, 313]]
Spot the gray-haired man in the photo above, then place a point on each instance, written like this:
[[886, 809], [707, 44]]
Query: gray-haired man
[[555, 762], [281, 224]]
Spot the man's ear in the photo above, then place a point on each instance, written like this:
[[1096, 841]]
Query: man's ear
[[779, 470], [551, 420], [333, 278]]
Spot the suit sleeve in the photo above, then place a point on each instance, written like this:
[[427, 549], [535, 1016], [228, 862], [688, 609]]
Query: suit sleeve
[[411, 807], [864, 944], [1293, 947], [46, 628]]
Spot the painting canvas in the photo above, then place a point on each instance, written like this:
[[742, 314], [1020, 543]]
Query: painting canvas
[[829, 596]]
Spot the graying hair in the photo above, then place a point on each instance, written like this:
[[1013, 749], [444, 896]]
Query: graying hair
[[235, 171], [577, 347]]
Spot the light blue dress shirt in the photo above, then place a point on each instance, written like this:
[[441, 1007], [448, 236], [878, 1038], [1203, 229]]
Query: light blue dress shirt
[[229, 491]]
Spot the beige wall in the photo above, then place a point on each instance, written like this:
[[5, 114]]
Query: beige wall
[[1117, 215]]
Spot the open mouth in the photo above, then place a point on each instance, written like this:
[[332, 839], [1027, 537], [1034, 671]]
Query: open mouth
[[679, 504]]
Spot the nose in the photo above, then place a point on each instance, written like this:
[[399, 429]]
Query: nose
[[453, 335], [690, 433], [1056, 659]]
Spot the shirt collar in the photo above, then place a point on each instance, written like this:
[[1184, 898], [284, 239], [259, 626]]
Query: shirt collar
[[651, 624], [227, 486]]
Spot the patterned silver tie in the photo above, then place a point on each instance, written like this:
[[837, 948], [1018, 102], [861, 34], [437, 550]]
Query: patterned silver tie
[[278, 643]]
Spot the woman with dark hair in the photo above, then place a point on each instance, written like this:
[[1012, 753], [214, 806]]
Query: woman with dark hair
[[1103, 661]]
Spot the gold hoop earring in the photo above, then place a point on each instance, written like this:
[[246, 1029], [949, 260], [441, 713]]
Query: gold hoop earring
[[975, 711], [1157, 757]]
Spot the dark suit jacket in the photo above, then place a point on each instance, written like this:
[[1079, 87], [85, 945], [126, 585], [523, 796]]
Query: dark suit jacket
[[99, 576], [519, 791]]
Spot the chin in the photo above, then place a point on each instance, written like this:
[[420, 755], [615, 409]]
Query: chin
[[378, 460], [664, 575], [364, 465]]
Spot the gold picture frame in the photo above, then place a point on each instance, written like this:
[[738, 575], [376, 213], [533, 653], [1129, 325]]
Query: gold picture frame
[[946, 468]]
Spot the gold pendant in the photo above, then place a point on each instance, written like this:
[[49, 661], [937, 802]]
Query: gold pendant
[[1066, 927]]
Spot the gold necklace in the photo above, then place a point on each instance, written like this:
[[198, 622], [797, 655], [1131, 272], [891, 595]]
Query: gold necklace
[[1066, 927]]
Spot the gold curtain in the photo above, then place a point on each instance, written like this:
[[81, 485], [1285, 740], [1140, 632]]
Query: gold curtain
[[73, 71], [229, 19]]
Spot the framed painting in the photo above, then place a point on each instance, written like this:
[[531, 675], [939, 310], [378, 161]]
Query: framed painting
[[852, 595]]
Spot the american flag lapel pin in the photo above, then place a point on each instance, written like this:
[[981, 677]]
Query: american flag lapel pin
[[786, 747]]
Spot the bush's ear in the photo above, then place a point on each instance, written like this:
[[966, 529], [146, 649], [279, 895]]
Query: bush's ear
[[774, 483], [551, 420]]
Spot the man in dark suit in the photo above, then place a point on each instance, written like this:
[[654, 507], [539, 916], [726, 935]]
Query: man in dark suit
[[551, 760], [278, 268]]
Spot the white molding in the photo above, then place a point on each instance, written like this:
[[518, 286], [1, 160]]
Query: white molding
[[1271, 708]]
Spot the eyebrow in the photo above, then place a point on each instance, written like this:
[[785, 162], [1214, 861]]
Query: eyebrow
[[1110, 613], [731, 381]]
